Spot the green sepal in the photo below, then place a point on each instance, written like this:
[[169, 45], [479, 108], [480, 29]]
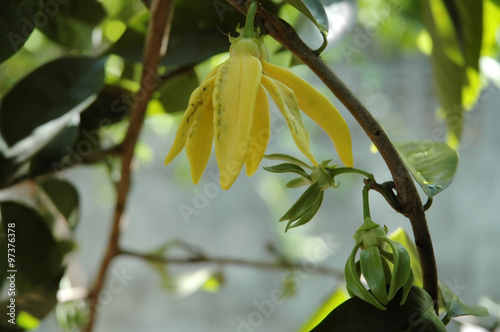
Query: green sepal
[[290, 159], [402, 269], [407, 287], [354, 285], [297, 182], [308, 215], [287, 167], [303, 204], [373, 271]]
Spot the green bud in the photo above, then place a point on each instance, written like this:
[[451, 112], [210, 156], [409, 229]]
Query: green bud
[[383, 282]]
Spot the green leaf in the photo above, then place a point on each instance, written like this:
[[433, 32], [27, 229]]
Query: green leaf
[[196, 33], [417, 314], [174, 93], [48, 93], [455, 27], [287, 168], [337, 298], [455, 307], [432, 164], [71, 24], [315, 11], [303, 204], [65, 197], [16, 24], [39, 259], [285, 157], [306, 217]]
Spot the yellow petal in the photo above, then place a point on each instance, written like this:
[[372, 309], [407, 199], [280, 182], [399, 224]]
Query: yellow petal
[[200, 100], [286, 102], [235, 93], [199, 143], [261, 131], [318, 108]]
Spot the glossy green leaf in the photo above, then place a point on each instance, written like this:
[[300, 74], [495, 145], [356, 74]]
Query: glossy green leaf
[[417, 314], [39, 259], [455, 27], [16, 24], [303, 204], [65, 197], [454, 306], [432, 164], [48, 93], [52, 152], [71, 24], [287, 158], [174, 93], [338, 297], [287, 168], [315, 11], [306, 217]]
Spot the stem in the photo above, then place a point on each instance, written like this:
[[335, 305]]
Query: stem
[[407, 194], [159, 29], [366, 203], [233, 261], [343, 170], [249, 20]]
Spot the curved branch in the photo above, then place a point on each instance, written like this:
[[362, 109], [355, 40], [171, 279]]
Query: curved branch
[[407, 195], [157, 38]]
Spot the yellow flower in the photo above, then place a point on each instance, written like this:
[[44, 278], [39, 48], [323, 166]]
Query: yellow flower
[[231, 108]]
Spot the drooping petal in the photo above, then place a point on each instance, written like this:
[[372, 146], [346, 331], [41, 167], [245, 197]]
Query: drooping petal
[[286, 102], [234, 98], [199, 101], [199, 142], [261, 132], [318, 108]]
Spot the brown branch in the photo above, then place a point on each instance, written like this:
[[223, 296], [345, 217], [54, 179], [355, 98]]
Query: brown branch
[[406, 193], [233, 261], [157, 37]]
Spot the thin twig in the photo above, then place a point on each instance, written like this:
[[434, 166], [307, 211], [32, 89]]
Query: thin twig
[[234, 261], [159, 27], [407, 194]]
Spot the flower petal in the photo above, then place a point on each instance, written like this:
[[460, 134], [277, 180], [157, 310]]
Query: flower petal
[[199, 101], [199, 143], [234, 98], [318, 108], [286, 102], [261, 132]]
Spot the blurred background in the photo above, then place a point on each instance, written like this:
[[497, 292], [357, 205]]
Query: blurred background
[[377, 57]]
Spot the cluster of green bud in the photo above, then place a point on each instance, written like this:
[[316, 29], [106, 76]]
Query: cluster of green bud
[[319, 178], [383, 263]]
